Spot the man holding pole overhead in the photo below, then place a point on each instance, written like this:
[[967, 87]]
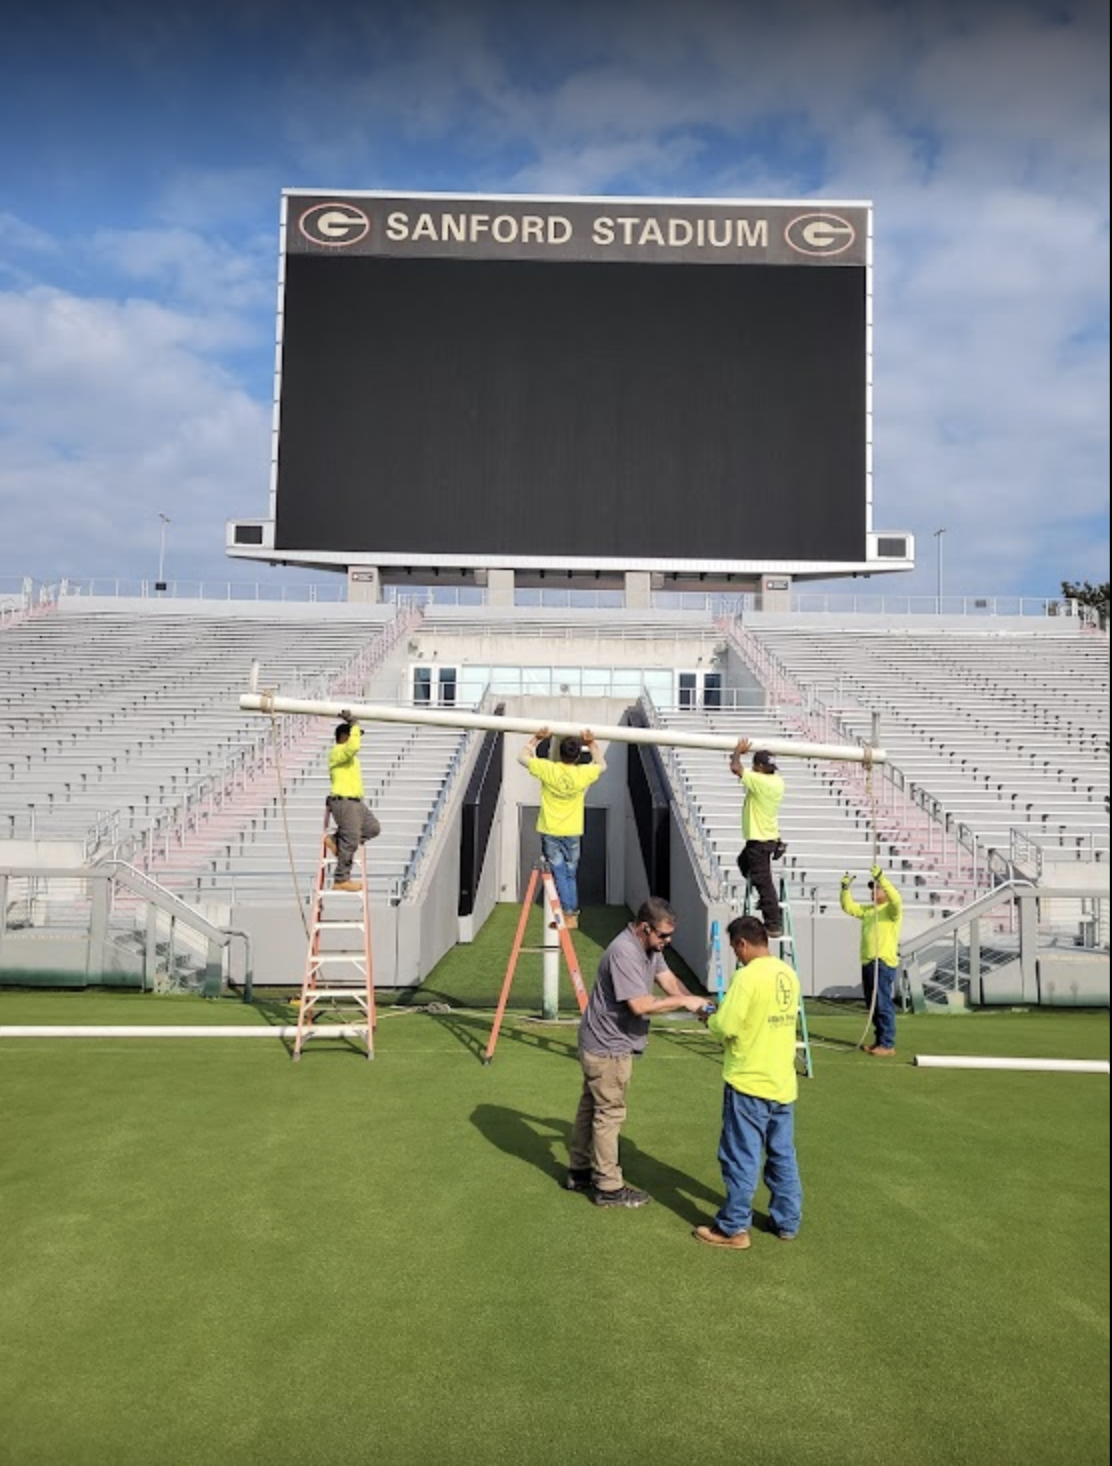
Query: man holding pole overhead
[[564, 786], [880, 954], [760, 828]]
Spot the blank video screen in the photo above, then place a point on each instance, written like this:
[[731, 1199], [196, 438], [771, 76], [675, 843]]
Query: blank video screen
[[630, 411]]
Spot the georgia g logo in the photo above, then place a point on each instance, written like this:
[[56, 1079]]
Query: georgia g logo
[[334, 225], [819, 234]]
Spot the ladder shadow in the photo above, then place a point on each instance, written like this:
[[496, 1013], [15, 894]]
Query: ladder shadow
[[543, 1143], [698, 1044], [474, 1035]]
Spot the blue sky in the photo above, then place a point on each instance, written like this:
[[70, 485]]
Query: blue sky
[[143, 150]]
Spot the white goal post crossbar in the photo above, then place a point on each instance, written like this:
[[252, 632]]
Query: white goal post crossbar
[[252, 702]]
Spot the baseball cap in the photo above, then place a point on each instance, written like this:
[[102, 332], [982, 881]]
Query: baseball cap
[[763, 759]]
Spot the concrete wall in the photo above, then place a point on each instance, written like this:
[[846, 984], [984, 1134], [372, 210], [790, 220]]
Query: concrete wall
[[486, 896], [41, 854], [279, 946], [428, 925], [1073, 979]]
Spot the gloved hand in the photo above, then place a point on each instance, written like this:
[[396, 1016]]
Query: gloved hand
[[847, 881], [876, 872], [345, 716]]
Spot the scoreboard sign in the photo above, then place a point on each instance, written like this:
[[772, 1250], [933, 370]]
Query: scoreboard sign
[[584, 384]]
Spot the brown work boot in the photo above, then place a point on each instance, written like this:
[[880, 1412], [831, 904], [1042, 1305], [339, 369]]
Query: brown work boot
[[346, 886], [571, 920], [330, 845], [881, 1053], [714, 1238]]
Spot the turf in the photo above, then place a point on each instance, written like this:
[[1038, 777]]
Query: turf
[[214, 1255]]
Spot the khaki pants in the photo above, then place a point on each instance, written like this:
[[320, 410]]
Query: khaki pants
[[598, 1121]]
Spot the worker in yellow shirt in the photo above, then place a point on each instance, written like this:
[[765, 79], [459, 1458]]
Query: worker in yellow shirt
[[354, 821], [756, 1025], [880, 955], [760, 828], [564, 784]]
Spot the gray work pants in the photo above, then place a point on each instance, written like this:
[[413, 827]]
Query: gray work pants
[[354, 824]]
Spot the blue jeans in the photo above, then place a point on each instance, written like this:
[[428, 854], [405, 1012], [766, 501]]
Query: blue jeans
[[884, 1013], [751, 1126], [562, 854]]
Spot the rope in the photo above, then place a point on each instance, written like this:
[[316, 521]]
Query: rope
[[268, 707]]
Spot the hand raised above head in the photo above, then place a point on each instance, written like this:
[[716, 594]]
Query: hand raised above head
[[541, 734], [743, 745]]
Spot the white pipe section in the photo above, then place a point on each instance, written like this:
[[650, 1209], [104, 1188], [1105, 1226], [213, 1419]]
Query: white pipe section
[[972, 1061], [452, 718], [550, 999], [172, 1030]]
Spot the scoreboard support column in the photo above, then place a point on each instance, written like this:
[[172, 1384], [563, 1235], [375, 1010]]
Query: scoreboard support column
[[500, 586], [364, 583]]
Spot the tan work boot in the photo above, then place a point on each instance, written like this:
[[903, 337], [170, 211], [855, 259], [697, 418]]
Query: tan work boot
[[714, 1238], [571, 920], [330, 845], [346, 886], [881, 1053]]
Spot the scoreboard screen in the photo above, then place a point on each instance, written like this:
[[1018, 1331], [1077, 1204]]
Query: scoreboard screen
[[675, 387]]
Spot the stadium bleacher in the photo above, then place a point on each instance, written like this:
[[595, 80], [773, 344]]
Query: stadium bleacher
[[122, 736]]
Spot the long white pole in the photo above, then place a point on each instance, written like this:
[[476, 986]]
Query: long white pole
[[252, 702], [973, 1061], [172, 1030]]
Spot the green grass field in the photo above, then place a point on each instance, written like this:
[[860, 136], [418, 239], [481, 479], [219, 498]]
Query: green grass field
[[212, 1255]]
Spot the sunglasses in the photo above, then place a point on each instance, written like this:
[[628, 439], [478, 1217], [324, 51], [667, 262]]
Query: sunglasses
[[664, 936]]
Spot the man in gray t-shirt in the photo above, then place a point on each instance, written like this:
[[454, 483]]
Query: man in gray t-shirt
[[613, 1029]]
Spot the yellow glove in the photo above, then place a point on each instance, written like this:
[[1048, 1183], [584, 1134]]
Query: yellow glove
[[847, 881], [876, 873]]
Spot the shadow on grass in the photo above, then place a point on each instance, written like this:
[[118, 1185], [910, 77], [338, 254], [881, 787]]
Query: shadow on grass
[[543, 1143], [474, 1034]]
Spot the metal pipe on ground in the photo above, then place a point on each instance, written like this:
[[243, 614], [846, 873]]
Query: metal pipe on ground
[[974, 1061], [174, 1030], [251, 702]]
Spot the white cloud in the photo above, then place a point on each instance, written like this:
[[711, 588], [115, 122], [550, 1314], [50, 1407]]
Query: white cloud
[[110, 418], [981, 133], [204, 274]]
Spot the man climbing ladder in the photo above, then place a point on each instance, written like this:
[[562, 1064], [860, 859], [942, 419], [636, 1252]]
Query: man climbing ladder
[[355, 823]]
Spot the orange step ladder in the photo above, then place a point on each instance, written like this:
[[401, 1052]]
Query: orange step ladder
[[554, 913]]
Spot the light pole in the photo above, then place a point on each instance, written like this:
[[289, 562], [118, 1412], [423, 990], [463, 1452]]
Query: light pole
[[160, 584], [938, 593]]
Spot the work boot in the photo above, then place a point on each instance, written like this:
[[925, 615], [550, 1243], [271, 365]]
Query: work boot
[[330, 845], [624, 1196], [714, 1238], [571, 920], [348, 885], [878, 1051], [579, 1181]]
